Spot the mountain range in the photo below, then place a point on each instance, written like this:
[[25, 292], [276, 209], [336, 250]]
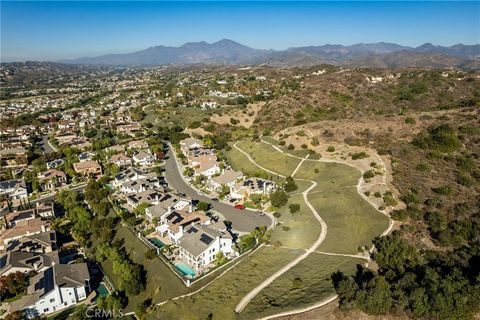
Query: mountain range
[[362, 55]]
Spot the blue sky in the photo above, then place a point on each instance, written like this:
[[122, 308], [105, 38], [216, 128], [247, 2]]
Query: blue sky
[[56, 30]]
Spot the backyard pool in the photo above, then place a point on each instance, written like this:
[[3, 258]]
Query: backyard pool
[[159, 244], [185, 269], [102, 290]]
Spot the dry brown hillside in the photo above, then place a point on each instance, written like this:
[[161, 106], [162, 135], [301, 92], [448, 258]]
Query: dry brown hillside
[[336, 93]]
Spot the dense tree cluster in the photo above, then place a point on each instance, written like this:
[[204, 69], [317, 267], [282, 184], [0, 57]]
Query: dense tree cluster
[[436, 285], [131, 275]]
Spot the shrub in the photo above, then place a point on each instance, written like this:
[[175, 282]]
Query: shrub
[[423, 167], [442, 138], [410, 120], [331, 149], [360, 155], [304, 146], [443, 190], [291, 147], [389, 200], [464, 179], [368, 174]]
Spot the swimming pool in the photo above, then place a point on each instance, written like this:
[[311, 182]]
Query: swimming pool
[[102, 290], [185, 269], [159, 244]]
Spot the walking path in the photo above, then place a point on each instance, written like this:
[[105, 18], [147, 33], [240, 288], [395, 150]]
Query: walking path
[[247, 298], [323, 233]]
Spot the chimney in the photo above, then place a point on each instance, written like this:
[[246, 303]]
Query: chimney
[[43, 228]]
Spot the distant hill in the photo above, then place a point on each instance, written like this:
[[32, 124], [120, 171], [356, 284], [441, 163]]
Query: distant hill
[[226, 51]]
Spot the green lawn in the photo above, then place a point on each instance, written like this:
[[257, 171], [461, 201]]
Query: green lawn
[[305, 284], [329, 175], [240, 162], [221, 297], [270, 158], [351, 221], [299, 230]]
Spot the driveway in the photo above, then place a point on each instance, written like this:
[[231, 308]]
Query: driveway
[[242, 220]]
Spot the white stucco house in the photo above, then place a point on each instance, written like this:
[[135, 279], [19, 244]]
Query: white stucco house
[[55, 288]]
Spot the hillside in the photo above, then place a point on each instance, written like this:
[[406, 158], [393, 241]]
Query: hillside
[[340, 93]]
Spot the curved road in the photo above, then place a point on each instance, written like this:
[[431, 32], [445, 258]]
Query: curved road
[[242, 220]]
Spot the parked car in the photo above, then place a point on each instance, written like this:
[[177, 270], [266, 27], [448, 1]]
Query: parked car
[[215, 199], [260, 213], [240, 206]]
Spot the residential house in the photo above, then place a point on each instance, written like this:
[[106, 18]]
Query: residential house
[[44, 242], [128, 175], [206, 165], [19, 261], [14, 189], [151, 196], [120, 160], [137, 144], [173, 224], [249, 186], [143, 158], [140, 185], [22, 229], [166, 204], [201, 243], [55, 288], [88, 169], [227, 178], [52, 179], [188, 144]]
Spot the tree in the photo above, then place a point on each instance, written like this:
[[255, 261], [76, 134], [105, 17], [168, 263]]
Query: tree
[[140, 209], [375, 297], [290, 185], [203, 206], [13, 284], [279, 198], [294, 208]]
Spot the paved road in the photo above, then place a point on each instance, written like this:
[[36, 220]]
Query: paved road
[[242, 220], [45, 145]]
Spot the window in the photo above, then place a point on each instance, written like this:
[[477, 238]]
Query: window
[[45, 310], [52, 300]]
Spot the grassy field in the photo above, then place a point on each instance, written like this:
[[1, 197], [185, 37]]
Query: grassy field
[[352, 222], [303, 285], [221, 297], [328, 175], [299, 230], [266, 156], [240, 162]]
